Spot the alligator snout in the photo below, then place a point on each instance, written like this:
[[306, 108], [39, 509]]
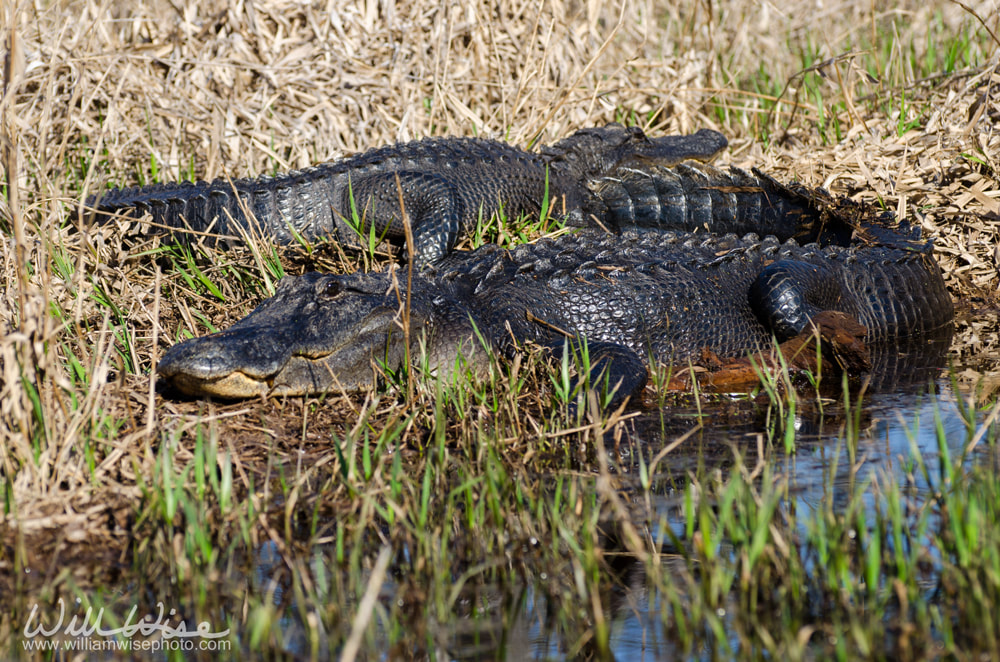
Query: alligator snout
[[319, 333], [238, 363]]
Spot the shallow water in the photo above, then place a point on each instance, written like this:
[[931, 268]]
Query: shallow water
[[907, 416]]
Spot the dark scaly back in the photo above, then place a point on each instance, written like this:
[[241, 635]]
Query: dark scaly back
[[658, 294], [447, 182], [672, 293], [639, 296], [303, 201]]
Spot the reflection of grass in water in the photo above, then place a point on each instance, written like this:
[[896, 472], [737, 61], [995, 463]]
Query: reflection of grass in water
[[491, 484], [849, 574]]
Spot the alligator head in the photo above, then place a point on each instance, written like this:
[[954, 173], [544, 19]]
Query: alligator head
[[319, 332], [596, 152]]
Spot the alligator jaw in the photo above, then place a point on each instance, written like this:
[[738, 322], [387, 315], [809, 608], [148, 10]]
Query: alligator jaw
[[704, 146], [208, 366], [348, 368], [319, 333], [234, 386], [189, 368]]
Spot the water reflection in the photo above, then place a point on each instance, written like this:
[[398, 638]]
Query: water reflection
[[821, 472], [909, 408]]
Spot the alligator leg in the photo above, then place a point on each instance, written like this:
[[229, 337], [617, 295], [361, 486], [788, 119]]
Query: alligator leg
[[435, 209], [614, 367], [788, 293]]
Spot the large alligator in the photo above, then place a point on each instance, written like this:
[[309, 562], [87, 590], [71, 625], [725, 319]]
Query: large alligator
[[634, 297], [610, 177], [445, 184]]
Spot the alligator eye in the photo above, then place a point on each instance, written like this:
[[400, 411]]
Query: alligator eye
[[332, 289]]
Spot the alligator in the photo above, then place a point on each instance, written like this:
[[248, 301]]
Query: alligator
[[445, 185], [631, 298]]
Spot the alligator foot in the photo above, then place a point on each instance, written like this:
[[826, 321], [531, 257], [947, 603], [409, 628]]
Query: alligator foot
[[841, 351]]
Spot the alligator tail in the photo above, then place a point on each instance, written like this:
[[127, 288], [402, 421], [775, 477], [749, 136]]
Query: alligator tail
[[281, 207], [697, 197]]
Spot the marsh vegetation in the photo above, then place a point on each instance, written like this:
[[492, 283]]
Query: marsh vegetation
[[487, 518]]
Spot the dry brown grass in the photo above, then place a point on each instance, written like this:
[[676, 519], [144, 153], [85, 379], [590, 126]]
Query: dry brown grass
[[101, 92]]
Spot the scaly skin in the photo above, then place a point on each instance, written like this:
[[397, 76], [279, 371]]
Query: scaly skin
[[447, 185], [663, 295]]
